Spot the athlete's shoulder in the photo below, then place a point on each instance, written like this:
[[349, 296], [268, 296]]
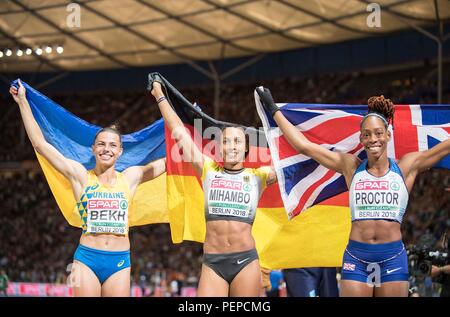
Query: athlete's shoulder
[[130, 170], [359, 165], [261, 171], [210, 165], [90, 175], [408, 159], [395, 167]]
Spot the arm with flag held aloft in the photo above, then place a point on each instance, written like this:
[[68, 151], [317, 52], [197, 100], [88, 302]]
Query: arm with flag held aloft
[[305, 180], [342, 163], [190, 151], [53, 129], [72, 170]]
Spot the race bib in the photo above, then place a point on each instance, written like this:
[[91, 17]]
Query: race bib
[[107, 216], [377, 200], [229, 198]]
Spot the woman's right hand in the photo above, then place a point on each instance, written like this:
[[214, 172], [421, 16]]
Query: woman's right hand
[[267, 100], [157, 90], [18, 94]]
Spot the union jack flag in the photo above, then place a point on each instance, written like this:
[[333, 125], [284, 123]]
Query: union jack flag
[[349, 267], [303, 182]]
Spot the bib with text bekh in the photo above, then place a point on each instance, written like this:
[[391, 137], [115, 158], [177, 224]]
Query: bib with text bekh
[[104, 209], [107, 213]]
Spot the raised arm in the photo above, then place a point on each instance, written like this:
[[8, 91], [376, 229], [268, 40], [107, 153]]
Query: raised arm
[[414, 163], [184, 141], [136, 175], [72, 170], [342, 163]]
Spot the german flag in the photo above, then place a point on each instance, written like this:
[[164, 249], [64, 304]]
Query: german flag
[[315, 238]]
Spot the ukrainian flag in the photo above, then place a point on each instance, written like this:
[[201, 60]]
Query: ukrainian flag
[[73, 138]]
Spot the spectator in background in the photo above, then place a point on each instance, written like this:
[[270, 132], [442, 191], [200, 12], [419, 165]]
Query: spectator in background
[[311, 282], [442, 273], [3, 283], [143, 283], [276, 280]]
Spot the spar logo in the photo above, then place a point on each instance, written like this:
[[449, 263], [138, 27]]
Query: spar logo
[[395, 186], [123, 204], [372, 185], [226, 184], [247, 187], [100, 204]]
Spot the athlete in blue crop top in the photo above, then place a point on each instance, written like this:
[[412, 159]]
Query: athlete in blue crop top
[[379, 189], [230, 262]]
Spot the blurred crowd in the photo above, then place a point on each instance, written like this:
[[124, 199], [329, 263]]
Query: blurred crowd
[[37, 244], [429, 206]]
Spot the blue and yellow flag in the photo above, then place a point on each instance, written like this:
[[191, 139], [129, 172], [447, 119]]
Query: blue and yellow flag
[[73, 138]]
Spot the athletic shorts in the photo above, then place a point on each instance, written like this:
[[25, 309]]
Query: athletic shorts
[[375, 263], [228, 265], [103, 263]]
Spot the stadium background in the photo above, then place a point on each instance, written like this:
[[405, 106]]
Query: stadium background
[[215, 52]]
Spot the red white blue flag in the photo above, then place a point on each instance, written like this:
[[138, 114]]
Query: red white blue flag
[[303, 182]]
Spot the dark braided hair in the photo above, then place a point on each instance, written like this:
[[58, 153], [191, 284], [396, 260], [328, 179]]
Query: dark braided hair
[[382, 106], [113, 128]]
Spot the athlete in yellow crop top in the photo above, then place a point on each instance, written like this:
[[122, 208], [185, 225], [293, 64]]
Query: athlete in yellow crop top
[[102, 260], [230, 262]]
